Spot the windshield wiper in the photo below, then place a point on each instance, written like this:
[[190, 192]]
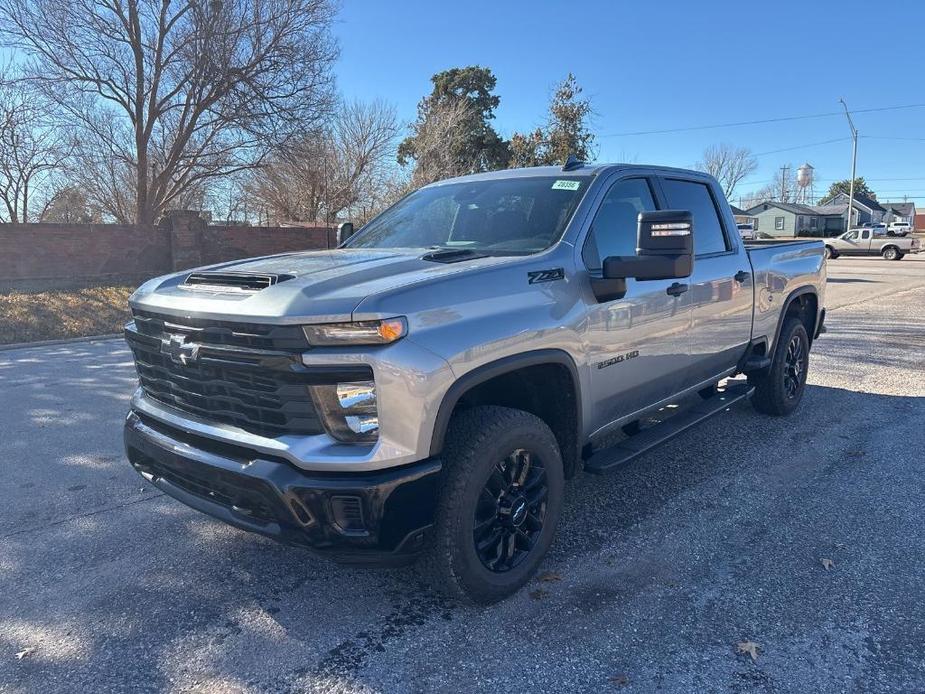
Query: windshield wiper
[[453, 255]]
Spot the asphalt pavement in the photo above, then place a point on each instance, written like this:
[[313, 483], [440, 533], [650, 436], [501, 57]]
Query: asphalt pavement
[[658, 572]]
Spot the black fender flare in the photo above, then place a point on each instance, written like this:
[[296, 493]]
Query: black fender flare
[[791, 297], [486, 372]]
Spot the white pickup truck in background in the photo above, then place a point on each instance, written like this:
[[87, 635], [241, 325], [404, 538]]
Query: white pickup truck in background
[[871, 241]]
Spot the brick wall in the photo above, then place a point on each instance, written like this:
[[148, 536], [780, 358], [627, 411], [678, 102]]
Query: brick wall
[[40, 256]]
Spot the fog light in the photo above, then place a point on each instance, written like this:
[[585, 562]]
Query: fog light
[[348, 410]]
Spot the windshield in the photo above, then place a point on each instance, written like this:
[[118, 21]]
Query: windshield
[[495, 216]]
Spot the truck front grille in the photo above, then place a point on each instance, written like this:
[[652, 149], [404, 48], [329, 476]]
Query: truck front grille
[[261, 391], [215, 332]]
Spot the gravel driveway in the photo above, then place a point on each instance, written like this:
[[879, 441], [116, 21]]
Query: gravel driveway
[[658, 572]]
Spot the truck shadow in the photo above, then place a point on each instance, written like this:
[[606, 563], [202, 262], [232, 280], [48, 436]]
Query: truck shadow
[[94, 585]]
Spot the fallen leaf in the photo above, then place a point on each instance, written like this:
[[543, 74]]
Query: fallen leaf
[[827, 564], [538, 594], [748, 647], [619, 680], [549, 577], [25, 652]]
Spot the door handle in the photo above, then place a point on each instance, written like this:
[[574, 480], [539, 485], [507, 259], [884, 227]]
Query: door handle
[[741, 276], [677, 289]]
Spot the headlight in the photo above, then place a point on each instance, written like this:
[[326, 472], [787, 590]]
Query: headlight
[[368, 332], [348, 410]]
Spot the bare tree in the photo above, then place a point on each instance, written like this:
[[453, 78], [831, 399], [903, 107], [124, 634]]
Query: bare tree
[[31, 152], [728, 165], [173, 94], [440, 145], [330, 170]]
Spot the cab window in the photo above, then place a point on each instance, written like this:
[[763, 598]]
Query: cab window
[[694, 196], [613, 231]]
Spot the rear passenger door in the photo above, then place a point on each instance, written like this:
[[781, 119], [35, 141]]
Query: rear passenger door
[[721, 286]]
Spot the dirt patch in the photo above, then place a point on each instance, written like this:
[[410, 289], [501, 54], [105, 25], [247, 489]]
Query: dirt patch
[[62, 313]]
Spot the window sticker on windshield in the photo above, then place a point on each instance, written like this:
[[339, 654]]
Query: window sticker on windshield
[[566, 185]]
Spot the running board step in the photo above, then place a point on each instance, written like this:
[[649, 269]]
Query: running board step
[[629, 449], [756, 363]]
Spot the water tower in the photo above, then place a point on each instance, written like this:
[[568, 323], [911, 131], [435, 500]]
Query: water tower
[[805, 184]]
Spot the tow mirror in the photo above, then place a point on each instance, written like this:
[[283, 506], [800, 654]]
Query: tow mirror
[[664, 251], [344, 232]]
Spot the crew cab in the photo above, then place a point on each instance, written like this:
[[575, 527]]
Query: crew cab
[[424, 391], [871, 241]]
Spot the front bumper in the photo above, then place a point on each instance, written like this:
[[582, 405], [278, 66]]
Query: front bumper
[[378, 518]]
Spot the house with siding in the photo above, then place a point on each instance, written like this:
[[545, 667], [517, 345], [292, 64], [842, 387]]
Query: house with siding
[[787, 219], [899, 212], [865, 209]]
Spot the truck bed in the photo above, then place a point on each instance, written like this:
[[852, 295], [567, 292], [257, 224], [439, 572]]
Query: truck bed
[[781, 267]]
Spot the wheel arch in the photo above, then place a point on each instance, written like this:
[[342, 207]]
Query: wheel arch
[[520, 381], [803, 303]]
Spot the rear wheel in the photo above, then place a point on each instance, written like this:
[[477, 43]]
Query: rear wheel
[[500, 503], [830, 252], [891, 253], [779, 390]]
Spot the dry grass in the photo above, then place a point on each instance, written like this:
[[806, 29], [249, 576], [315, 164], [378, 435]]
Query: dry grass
[[61, 313]]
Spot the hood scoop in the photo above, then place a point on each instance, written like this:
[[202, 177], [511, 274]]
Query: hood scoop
[[232, 281]]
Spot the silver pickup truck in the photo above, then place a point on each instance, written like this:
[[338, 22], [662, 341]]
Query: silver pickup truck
[[867, 241], [423, 391]]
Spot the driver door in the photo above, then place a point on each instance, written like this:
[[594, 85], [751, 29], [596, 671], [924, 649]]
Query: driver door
[[638, 346]]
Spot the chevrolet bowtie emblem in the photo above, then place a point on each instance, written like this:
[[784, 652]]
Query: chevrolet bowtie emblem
[[179, 350]]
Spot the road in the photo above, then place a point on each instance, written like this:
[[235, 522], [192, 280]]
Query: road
[[658, 572]]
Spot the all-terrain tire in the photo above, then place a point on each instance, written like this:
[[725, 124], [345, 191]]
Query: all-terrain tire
[[779, 389], [891, 253], [477, 441]]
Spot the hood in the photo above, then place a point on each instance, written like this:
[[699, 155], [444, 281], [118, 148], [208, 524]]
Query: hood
[[321, 286]]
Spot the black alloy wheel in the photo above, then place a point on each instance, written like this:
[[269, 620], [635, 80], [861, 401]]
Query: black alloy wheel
[[794, 366], [510, 511]]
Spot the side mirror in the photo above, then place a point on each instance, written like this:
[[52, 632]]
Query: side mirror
[[344, 232], [664, 251]]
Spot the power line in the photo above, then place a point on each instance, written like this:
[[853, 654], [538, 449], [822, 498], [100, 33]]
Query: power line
[[811, 144], [760, 122], [881, 137]]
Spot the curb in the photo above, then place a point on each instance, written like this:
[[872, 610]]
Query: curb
[[65, 341]]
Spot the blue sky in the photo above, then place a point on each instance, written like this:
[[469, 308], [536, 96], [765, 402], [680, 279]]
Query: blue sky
[[665, 64]]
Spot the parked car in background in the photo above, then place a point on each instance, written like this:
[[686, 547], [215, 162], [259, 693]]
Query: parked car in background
[[899, 229], [871, 241], [746, 231]]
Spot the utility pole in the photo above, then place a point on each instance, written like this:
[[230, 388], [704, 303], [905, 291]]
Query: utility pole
[[854, 162], [784, 171]]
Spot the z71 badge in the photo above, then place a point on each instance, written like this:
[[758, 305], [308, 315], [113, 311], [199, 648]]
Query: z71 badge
[[546, 275], [617, 359]]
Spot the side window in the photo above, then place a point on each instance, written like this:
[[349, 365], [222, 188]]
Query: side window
[[696, 198], [613, 231], [778, 224]]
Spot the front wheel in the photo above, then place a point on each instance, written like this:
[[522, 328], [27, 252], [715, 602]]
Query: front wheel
[[830, 253], [500, 503], [779, 390]]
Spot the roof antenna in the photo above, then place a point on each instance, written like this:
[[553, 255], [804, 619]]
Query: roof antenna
[[572, 162]]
